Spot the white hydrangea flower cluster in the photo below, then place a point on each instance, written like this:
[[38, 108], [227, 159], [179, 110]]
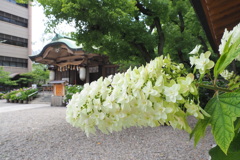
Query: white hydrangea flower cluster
[[146, 96], [227, 75], [202, 62], [229, 38]]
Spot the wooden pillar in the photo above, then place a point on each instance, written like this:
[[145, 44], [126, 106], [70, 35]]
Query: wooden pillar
[[103, 71], [87, 75]]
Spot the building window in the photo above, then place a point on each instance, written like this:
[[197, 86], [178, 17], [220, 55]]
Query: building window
[[13, 62], [12, 40], [13, 19]]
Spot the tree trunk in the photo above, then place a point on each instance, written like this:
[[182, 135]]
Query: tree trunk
[[161, 38], [180, 55], [146, 55], [181, 26], [157, 23]]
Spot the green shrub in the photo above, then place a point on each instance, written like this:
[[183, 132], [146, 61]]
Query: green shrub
[[10, 94], [1, 95], [23, 96], [70, 90], [20, 94]]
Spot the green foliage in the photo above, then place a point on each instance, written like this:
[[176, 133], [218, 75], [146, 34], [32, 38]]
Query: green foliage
[[9, 94], [5, 79], [184, 31], [124, 65], [224, 109], [70, 90], [25, 79], [1, 95], [38, 75], [21, 94], [227, 57], [140, 30], [233, 153], [41, 73], [23, 1], [130, 30]]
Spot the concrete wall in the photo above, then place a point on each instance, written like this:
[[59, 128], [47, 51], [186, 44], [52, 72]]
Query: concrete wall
[[29, 36], [14, 9], [15, 69], [13, 51], [13, 30], [18, 31]]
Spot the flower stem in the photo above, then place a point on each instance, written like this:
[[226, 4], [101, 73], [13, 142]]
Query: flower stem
[[215, 88]]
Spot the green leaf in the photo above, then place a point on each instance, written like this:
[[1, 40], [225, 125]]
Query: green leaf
[[227, 58], [233, 153], [237, 124], [199, 130], [224, 110]]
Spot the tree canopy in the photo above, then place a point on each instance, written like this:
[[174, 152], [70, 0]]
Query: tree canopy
[[130, 30], [38, 75], [5, 78]]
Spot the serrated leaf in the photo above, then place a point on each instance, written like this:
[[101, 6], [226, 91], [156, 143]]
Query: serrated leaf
[[227, 58], [199, 130], [223, 110], [233, 153]]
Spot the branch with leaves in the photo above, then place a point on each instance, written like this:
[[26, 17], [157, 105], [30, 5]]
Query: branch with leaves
[[163, 92]]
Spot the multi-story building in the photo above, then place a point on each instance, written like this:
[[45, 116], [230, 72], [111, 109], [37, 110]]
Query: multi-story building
[[15, 36]]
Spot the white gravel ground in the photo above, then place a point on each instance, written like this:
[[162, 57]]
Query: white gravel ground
[[42, 133]]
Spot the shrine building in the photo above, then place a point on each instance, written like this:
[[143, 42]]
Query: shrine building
[[68, 62]]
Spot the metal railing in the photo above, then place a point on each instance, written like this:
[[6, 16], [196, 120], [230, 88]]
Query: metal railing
[[30, 95]]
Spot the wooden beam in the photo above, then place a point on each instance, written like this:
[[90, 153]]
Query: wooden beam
[[200, 8], [70, 58], [49, 60], [63, 46], [70, 63], [47, 51], [37, 59]]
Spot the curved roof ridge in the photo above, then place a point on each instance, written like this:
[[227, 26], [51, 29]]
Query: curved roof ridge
[[57, 41], [59, 36]]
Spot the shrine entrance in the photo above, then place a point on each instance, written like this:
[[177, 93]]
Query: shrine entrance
[[68, 62]]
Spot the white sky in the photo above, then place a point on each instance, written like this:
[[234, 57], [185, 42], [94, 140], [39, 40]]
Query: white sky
[[39, 38]]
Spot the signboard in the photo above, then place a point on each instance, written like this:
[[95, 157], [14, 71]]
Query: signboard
[[34, 86], [59, 89]]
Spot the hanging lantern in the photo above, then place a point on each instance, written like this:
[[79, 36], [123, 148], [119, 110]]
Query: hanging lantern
[[82, 73], [51, 75]]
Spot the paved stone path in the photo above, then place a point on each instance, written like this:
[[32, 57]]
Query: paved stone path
[[38, 131], [9, 107], [43, 100], [43, 97]]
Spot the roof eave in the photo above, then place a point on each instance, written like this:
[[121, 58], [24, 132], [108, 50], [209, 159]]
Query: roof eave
[[197, 5], [32, 57]]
